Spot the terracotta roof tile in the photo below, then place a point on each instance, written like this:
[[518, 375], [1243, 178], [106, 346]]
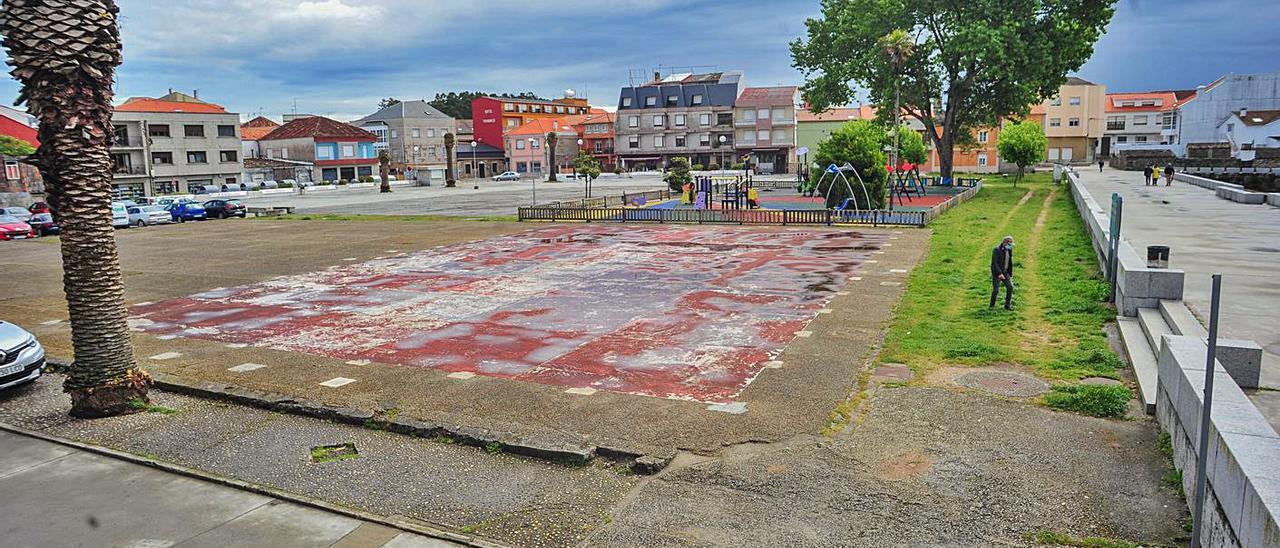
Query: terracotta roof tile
[[1168, 100], [318, 127], [767, 97], [1258, 117], [146, 104]]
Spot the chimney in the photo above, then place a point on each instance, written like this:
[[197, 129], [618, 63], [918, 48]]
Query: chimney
[[657, 76], [195, 93], [1244, 112], [171, 91]]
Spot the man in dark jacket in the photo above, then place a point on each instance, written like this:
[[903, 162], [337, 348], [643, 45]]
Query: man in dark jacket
[[1002, 272], [1146, 173]]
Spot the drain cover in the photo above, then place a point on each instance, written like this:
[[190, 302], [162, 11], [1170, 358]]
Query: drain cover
[[1004, 383]]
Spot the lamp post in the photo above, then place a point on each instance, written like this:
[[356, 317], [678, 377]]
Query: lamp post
[[722, 140], [475, 183], [586, 186], [533, 177]]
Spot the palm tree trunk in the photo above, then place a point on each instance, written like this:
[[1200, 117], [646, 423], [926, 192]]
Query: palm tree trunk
[[64, 53], [551, 155], [384, 169]]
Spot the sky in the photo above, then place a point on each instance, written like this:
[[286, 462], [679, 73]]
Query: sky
[[339, 57]]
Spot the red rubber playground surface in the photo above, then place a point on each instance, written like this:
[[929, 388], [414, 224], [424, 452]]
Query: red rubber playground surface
[[666, 311]]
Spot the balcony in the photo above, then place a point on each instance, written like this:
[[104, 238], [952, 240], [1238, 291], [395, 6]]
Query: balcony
[[128, 171], [1114, 126], [126, 141]]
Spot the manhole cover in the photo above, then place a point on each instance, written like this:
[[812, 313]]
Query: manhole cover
[[893, 372], [1004, 383]]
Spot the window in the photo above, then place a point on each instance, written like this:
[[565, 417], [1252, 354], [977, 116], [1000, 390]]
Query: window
[[704, 140], [226, 131], [513, 122], [748, 116], [633, 121], [160, 158], [524, 108], [329, 174], [697, 99], [158, 130], [780, 136], [193, 131], [431, 132], [780, 115], [633, 141], [394, 134], [982, 159], [650, 101], [704, 119], [519, 144], [537, 167], [1140, 139], [1073, 122], [166, 187], [1057, 102], [197, 157], [284, 153], [659, 120], [508, 107], [599, 146], [364, 171], [415, 133], [1140, 119], [762, 114], [1115, 123], [680, 140], [348, 151], [680, 118], [1231, 126], [1074, 101], [673, 100], [657, 141], [533, 142], [1055, 122], [626, 101], [522, 167], [982, 136], [230, 180], [323, 152], [1122, 139], [227, 156], [536, 108], [762, 135], [724, 119]]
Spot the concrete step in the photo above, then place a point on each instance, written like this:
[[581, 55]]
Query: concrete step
[[1142, 359], [1180, 319], [1153, 326]]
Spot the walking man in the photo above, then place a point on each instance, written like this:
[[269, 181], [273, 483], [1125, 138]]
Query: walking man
[[1146, 173], [1002, 272], [1099, 165], [1168, 175]]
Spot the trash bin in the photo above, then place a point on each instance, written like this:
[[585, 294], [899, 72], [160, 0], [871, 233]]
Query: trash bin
[[1158, 256]]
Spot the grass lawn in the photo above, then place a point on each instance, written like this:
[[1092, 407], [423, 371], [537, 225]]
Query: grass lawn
[[1059, 309]]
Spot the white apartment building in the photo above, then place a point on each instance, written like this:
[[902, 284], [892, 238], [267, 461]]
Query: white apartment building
[[173, 145]]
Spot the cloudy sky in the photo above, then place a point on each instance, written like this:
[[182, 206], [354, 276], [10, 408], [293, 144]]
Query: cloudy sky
[[339, 57]]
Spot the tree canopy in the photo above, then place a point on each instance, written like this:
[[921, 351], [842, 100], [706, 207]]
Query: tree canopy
[[972, 62], [1022, 143], [12, 146], [389, 101], [678, 173], [586, 165], [911, 146], [859, 143], [458, 104]]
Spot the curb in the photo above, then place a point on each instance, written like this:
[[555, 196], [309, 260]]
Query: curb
[[410, 525], [571, 453]]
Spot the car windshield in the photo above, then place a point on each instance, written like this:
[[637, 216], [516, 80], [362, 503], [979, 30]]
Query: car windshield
[[151, 208], [9, 219], [42, 217], [117, 209], [15, 211], [233, 202]]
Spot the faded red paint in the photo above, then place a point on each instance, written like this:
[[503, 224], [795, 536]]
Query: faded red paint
[[674, 312]]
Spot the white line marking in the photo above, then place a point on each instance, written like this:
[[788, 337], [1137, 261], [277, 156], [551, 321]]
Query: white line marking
[[735, 408], [51, 322], [872, 261], [842, 293], [773, 364], [245, 367], [392, 251], [856, 278], [878, 252], [168, 337], [804, 334], [897, 270], [890, 283], [165, 356], [461, 375], [581, 391], [143, 303], [337, 381], [350, 259], [824, 311], [358, 362], [235, 345]]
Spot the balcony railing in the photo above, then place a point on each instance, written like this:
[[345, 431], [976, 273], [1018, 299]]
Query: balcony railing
[[128, 170], [1112, 126], [126, 140]]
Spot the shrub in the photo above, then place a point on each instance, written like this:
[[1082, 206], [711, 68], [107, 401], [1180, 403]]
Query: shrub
[[678, 174], [343, 181], [713, 167], [326, 182], [739, 165], [284, 185], [617, 170], [698, 167], [1090, 399]]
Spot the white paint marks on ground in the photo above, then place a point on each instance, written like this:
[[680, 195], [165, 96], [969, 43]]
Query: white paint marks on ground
[[773, 364], [855, 278], [51, 322], [890, 283], [897, 271], [461, 375], [804, 334], [877, 252], [245, 367], [735, 408], [581, 391], [165, 356], [337, 381], [350, 259], [842, 293], [235, 345], [392, 251], [168, 337], [824, 311], [872, 261], [143, 303], [358, 362], [888, 245]]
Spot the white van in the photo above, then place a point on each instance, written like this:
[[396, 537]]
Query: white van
[[119, 215]]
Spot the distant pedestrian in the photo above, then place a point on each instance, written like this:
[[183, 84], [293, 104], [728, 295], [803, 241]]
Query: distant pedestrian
[[1099, 165], [1146, 174], [1002, 272], [1168, 175]]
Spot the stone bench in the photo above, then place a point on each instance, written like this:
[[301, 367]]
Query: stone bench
[[1240, 195], [271, 211]]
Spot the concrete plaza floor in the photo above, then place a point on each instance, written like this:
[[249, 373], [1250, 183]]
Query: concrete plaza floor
[[1209, 235], [56, 495]]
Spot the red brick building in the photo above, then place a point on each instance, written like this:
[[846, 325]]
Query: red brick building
[[492, 116]]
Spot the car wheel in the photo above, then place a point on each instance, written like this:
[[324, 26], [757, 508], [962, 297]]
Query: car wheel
[[182, 219], [141, 223]]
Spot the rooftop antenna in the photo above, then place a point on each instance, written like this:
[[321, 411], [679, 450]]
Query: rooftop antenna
[[295, 105]]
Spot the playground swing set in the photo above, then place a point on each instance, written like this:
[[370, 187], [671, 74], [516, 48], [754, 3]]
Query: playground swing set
[[735, 192]]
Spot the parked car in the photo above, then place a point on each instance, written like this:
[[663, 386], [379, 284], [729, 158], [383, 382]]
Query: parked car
[[40, 207], [144, 215], [221, 209], [507, 176], [184, 210], [19, 212], [21, 356], [13, 228], [119, 215], [43, 224]]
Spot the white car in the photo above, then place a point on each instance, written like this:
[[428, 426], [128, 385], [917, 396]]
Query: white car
[[149, 215], [21, 356], [119, 215], [20, 212], [506, 176]]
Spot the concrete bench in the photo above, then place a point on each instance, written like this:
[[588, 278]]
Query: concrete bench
[[271, 211], [1273, 199], [1240, 195]]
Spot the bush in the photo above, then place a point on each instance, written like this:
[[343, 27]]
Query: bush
[[1090, 399], [739, 165], [617, 170], [698, 167], [284, 185], [713, 167], [678, 174], [325, 182], [343, 181], [366, 179]]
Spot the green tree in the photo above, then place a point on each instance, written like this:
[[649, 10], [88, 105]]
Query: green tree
[[678, 174], [1022, 143], [586, 165], [10, 146], [458, 104], [389, 101], [65, 55], [911, 146], [861, 144], [973, 61]]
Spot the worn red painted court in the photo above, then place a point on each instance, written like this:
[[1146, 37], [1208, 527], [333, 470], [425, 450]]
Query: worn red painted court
[[674, 312]]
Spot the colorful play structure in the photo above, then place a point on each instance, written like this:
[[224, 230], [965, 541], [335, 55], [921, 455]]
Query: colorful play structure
[[731, 191]]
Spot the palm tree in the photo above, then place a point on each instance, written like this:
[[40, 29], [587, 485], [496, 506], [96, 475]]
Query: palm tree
[[551, 153], [449, 142], [897, 47], [384, 168], [65, 55]]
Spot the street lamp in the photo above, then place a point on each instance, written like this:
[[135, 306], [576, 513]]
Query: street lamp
[[586, 187], [722, 140], [474, 181], [533, 177]]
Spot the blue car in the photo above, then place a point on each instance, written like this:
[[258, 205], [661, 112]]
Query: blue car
[[183, 211]]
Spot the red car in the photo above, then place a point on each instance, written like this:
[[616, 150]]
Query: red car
[[13, 228]]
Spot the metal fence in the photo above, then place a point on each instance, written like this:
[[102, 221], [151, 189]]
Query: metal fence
[[625, 199], [874, 217], [960, 198]]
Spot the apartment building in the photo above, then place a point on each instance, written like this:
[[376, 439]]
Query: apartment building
[[527, 151], [253, 130], [337, 151], [1138, 119], [493, 116], [173, 145], [681, 115], [1074, 121], [764, 120], [598, 133], [1201, 117], [412, 133]]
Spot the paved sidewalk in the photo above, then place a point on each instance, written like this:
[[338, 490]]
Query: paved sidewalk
[[61, 496]]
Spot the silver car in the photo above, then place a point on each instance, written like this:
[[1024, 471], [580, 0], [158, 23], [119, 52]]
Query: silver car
[[149, 215], [21, 356]]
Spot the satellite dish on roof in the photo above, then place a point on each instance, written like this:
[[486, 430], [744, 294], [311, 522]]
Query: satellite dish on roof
[[570, 93]]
